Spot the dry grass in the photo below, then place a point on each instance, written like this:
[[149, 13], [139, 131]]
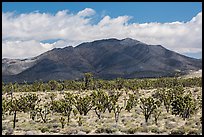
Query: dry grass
[[129, 122]]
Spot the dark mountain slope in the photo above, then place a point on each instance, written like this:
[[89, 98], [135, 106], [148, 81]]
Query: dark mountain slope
[[107, 59]]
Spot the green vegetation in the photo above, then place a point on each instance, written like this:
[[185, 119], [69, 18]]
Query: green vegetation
[[103, 95]]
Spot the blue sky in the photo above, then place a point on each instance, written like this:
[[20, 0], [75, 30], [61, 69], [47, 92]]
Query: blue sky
[[140, 11], [175, 25]]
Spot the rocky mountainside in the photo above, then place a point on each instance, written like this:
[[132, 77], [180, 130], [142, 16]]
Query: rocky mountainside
[[106, 59]]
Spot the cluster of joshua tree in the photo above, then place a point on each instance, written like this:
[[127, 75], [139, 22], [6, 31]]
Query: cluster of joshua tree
[[103, 96]]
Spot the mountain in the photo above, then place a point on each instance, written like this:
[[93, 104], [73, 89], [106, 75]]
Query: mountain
[[106, 59]]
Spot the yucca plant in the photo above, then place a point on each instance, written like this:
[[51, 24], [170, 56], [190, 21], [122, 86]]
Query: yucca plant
[[43, 110], [148, 105], [83, 104], [16, 105], [117, 110], [100, 102], [132, 102], [184, 106]]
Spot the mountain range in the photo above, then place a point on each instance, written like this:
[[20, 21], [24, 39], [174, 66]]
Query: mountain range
[[106, 59]]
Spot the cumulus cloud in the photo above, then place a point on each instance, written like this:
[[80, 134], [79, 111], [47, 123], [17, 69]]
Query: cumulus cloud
[[24, 49], [86, 12], [22, 34]]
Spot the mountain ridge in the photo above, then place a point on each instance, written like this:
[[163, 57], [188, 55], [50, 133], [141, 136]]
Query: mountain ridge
[[106, 59]]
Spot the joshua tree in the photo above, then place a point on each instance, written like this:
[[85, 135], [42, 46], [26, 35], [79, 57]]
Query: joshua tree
[[117, 109], [100, 101], [184, 106], [119, 83], [148, 106], [132, 102], [16, 105], [88, 78], [43, 110], [83, 104]]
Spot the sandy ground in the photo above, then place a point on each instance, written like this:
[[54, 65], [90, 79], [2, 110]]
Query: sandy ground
[[128, 121], [193, 74]]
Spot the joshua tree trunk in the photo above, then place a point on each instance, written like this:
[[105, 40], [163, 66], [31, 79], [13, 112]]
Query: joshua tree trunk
[[14, 120]]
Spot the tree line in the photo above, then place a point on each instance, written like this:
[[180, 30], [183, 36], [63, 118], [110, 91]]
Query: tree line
[[90, 83], [170, 93]]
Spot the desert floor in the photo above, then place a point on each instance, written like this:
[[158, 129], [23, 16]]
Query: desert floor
[[132, 122]]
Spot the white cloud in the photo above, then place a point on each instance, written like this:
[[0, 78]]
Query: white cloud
[[22, 34], [86, 12]]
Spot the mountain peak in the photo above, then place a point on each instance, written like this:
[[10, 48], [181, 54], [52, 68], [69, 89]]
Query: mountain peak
[[106, 58], [130, 41]]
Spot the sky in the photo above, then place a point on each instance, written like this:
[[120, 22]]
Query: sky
[[31, 28]]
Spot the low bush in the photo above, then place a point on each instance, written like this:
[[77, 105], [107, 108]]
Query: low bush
[[193, 132], [105, 130], [177, 132], [44, 129]]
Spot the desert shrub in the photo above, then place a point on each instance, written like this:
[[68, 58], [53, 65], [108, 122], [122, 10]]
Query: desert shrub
[[9, 131], [86, 129], [55, 125], [54, 130], [105, 130], [177, 132], [131, 130], [144, 129], [155, 130], [71, 132], [44, 129], [169, 124], [194, 132], [100, 130]]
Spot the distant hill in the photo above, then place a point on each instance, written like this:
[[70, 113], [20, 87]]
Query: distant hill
[[193, 74], [106, 59]]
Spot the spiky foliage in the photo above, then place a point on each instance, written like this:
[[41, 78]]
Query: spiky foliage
[[5, 107], [184, 106], [88, 79], [43, 110], [119, 83], [117, 110], [83, 104], [148, 105], [100, 100], [53, 84], [132, 102], [113, 99], [16, 105]]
